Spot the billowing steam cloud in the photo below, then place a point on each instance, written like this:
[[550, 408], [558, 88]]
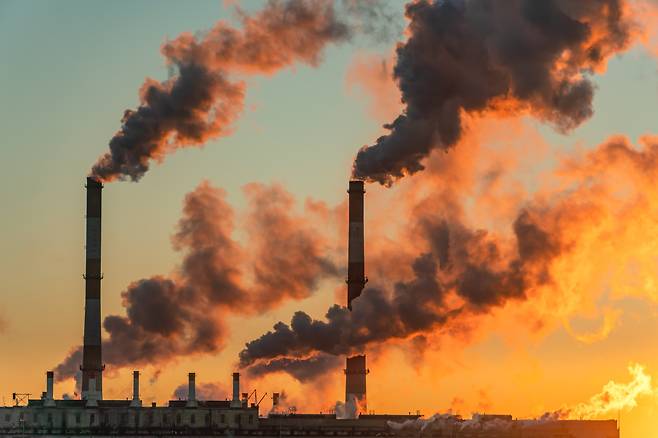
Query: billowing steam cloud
[[477, 56], [183, 313], [464, 272], [203, 99], [614, 397]]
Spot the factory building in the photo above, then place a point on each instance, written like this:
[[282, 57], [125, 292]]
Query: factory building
[[93, 415]]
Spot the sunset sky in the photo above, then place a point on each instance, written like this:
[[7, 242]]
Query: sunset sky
[[71, 68]]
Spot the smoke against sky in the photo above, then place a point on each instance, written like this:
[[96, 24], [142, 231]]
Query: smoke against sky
[[472, 57], [463, 271], [204, 391], [183, 313], [206, 95]]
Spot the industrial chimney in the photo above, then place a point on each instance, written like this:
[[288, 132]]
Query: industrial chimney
[[355, 367], [356, 279], [92, 365]]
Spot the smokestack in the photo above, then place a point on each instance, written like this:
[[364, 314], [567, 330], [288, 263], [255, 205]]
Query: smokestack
[[92, 367], [49, 399], [275, 400], [355, 367], [356, 279], [355, 382], [235, 403], [136, 402], [191, 389]]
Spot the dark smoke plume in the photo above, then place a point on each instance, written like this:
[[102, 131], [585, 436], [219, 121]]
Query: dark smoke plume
[[203, 98], [183, 313], [479, 272], [475, 56], [304, 370]]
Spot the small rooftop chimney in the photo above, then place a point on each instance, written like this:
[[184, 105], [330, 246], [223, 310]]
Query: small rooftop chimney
[[136, 402], [49, 399], [191, 389], [235, 403]]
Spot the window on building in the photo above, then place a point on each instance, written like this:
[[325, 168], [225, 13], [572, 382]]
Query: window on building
[[78, 417], [238, 419], [149, 418], [8, 418], [251, 419], [222, 418], [124, 419], [207, 419], [92, 419], [165, 419], [193, 419], [178, 419], [106, 420], [50, 418]]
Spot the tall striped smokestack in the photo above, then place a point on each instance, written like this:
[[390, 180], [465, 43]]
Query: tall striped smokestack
[[355, 366], [356, 279], [92, 365]]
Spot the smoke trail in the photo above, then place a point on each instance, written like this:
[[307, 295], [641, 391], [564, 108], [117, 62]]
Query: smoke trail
[[614, 397], [560, 249], [480, 275], [304, 370], [204, 391], [478, 56], [203, 99], [289, 254], [183, 313]]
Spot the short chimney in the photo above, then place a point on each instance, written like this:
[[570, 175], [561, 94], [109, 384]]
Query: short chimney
[[191, 389], [136, 402], [49, 399], [235, 403], [275, 400]]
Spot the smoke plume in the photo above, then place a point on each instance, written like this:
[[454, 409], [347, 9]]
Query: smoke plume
[[464, 272], [204, 391], [480, 275], [478, 56], [183, 313], [614, 397], [304, 370], [202, 100]]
